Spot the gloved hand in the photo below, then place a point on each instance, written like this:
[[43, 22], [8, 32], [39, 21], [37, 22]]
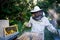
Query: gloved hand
[[26, 24]]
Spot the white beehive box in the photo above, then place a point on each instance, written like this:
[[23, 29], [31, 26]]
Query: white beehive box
[[3, 24]]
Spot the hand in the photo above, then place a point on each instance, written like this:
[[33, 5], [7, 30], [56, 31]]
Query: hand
[[25, 23]]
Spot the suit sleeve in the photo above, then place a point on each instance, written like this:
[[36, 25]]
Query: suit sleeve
[[50, 26]]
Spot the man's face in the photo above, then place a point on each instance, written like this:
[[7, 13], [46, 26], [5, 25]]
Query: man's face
[[37, 15]]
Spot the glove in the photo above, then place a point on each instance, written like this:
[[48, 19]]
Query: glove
[[26, 24]]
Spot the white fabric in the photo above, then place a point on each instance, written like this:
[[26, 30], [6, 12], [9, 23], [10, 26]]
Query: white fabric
[[36, 8], [39, 26]]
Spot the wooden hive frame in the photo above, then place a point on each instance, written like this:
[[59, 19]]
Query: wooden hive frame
[[11, 30]]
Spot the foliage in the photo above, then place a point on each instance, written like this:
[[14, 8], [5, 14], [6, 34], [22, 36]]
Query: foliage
[[15, 8], [16, 11]]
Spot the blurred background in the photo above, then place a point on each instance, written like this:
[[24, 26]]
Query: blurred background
[[18, 12]]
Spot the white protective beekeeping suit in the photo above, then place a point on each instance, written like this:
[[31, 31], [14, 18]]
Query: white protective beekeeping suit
[[39, 26]]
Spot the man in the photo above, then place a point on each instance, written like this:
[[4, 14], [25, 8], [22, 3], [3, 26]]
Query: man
[[38, 22]]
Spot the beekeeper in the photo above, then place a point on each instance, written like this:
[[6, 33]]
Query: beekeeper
[[38, 22]]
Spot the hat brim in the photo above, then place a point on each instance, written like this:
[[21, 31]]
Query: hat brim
[[35, 10]]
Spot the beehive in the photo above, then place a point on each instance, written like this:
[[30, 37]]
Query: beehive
[[3, 24]]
